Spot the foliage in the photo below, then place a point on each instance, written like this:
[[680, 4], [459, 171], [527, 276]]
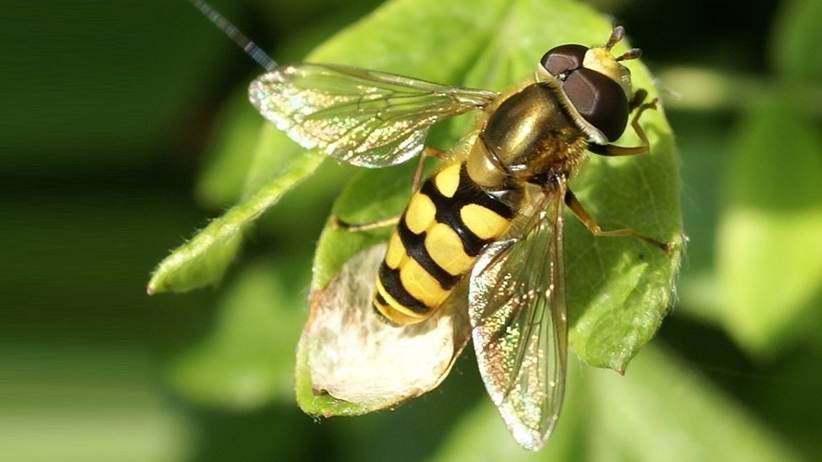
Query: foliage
[[101, 144]]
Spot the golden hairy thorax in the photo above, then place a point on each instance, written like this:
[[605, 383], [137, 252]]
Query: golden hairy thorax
[[527, 133], [467, 204]]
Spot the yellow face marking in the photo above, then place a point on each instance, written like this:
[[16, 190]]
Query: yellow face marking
[[421, 285], [395, 252], [445, 248], [448, 179], [395, 305], [420, 213], [601, 60], [485, 223]]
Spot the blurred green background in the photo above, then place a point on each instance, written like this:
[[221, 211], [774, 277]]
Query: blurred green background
[[115, 123]]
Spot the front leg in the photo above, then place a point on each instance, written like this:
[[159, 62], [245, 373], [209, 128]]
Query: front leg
[[613, 150], [573, 203]]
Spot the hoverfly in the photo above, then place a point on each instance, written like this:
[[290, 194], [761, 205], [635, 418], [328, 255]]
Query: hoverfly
[[491, 216]]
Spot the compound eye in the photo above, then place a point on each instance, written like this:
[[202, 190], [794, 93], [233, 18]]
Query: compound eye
[[599, 100], [563, 58]]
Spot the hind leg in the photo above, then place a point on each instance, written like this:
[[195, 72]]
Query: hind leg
[[392, 221]]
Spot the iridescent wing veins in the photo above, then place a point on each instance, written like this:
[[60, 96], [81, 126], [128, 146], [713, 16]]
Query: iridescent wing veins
[[362, 117], [519, 324]]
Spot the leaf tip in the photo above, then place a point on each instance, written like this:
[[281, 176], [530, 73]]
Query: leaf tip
[[153, 287], [159, 282]]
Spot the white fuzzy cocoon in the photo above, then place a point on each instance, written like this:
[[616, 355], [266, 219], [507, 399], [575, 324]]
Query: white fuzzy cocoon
[[354, 356]]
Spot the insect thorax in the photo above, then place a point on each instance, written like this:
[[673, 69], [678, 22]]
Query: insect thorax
[[528, 135]]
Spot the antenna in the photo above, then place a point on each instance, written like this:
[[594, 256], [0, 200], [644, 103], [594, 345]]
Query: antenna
[[250, 48], [616, 35]]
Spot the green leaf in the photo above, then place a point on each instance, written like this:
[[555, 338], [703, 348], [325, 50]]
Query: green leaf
[[619, 289], [230, 153], [480, 435], [314, 192], [132, 421], [248, 358], [358, 204], [795, 49], [706, 144], [420, 38], [274, 151], [770, 260], [452, 38], [319, 404], [204, 259], [449, 35], [661, 410], [348, 353]]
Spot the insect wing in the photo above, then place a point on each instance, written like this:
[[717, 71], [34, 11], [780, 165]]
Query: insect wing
[[519, 325], [362, 117]]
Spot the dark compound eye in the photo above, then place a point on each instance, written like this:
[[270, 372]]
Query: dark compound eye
[[599, 100], [563, 58]]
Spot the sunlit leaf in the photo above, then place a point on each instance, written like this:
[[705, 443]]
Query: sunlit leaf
[[357, 203], [770, 260], [661, 410], [273, 151], [204, 259], [450, 34], [230, 153], [619, 289], [452, 38]]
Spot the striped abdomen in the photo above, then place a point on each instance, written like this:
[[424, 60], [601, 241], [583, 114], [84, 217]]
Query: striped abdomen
[[440, 234]]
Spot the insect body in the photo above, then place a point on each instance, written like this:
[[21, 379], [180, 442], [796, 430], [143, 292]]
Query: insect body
[[533, 136], [491, 216], [471, 203], [446, 225]]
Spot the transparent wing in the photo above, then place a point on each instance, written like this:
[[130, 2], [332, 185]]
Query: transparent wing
[[362, 117], [517, 312]]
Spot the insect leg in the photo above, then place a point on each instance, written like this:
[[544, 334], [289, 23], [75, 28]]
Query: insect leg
[[392, 221], [359, 227], [638, 99], [613, 150], [426, 153], [573, 203]]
